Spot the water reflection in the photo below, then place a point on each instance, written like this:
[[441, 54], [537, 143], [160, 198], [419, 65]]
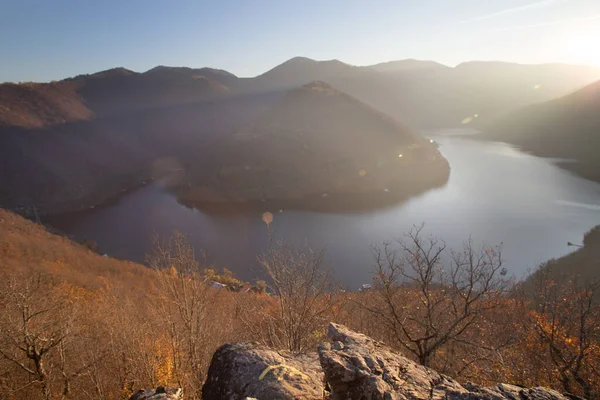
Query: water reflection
[[495, 194]]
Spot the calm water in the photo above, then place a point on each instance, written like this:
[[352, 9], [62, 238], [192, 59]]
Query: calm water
[[495, 194]]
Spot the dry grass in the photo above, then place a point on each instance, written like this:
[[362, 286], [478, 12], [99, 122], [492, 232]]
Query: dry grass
[[34, 105], [125, 326]]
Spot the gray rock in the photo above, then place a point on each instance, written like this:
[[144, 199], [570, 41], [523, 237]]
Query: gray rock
[[160, 393], [357, 367], [352, 365], [244, 370]]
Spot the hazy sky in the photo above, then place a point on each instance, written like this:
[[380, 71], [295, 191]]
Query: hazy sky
[[53, 39]]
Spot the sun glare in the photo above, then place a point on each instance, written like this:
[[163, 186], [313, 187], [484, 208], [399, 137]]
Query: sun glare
[[582, 47]]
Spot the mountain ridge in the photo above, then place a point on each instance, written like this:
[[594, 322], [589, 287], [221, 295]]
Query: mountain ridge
[[541, 128], [105, 130], [313, 143], [423, 95]]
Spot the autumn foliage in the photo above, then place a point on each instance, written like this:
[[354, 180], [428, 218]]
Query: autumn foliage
[[77, 325]]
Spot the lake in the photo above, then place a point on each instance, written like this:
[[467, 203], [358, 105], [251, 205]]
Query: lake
[[495, 194]]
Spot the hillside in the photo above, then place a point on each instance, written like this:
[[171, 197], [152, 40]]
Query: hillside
[[33, 105], [77, 165], [73, 144], [221, 76], [99, 321], [409, 64], [567, 128], [108, 327], [582, 266], [448, 97], [300, 71], [113, 92], [424, 94], [119, 91], [27, 249], [317, 142]]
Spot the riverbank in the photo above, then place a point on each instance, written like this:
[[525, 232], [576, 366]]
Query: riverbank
[[383, 198], [494, 193]]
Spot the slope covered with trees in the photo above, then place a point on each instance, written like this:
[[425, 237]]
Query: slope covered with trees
[[316, 143], [427, 95], [72, 144], [33, 105], [567, 128], [76, 165], [75, 324], [423, 94], [113, 92]]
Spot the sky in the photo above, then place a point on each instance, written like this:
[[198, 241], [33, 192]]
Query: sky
[[47, 40]]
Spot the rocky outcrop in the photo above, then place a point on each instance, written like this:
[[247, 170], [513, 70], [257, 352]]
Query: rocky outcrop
[[160, 393], [357, 367], [352, 366], [242, 370]]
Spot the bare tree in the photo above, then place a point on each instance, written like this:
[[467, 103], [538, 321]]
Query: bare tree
[[188, 309], [37, 323], [567, 325], [303, 292], [428, 296]]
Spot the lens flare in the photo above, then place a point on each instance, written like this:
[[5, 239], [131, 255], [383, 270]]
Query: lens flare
[[267, 218]]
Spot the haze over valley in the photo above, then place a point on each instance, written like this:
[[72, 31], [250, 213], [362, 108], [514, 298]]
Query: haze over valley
[[111, 130], [289, 139], [316, 200]]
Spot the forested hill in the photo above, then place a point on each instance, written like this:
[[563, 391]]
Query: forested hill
[[567, 128]]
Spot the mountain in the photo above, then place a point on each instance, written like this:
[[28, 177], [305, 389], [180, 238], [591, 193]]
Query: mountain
[[108, 93], [34, 105], [582, 265], [300, 71], [314, 143], [27, 249], [75, 143], [407, 65], [422, 94], [221, 76], [452, 97], [427, 95], [119, 91], [567, 128], [76, 165]]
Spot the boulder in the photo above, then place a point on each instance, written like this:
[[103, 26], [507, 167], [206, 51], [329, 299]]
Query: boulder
[[350, 366], [160, 393], [358, 367], [245, 370]]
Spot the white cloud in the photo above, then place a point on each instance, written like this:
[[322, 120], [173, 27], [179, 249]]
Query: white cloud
[[514, 10], [547, 23]]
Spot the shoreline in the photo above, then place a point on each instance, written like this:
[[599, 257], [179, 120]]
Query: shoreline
[[370, 201]]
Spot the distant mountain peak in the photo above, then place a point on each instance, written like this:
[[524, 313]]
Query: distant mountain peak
[[218, 71], [407, 65], [300, 59], [305, 61], [299, 71], [113, 72], [223, 77]]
